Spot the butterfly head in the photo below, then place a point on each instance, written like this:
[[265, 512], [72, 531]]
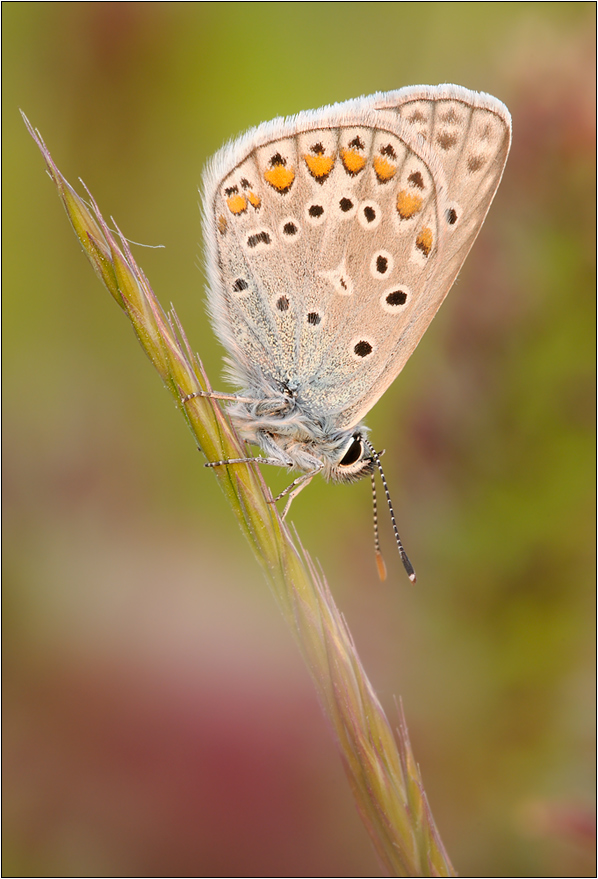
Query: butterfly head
[[356, 461]]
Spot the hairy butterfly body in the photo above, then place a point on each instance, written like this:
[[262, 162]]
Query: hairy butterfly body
[[332, 239]]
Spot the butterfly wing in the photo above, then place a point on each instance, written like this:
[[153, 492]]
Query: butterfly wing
[[333, 238], [469, 134]]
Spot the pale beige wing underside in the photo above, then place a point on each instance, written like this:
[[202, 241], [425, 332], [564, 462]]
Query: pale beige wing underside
[[339, 233]]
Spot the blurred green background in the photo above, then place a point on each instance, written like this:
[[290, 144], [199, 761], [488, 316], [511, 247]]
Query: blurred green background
[[158, 720]]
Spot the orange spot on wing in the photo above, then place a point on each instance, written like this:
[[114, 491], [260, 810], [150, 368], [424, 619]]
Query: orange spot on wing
[[353, 161], [384, 169], [280, 178], [319, 166], [424, 241], [254, 200], [236, 203], [408, 204]]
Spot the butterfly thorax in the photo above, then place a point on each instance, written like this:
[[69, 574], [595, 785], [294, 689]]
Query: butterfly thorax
[[287, 431]]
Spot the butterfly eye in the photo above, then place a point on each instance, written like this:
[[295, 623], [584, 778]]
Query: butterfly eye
[[353, 453]]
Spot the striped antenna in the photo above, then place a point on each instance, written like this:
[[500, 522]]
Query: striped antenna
[[379, 560]]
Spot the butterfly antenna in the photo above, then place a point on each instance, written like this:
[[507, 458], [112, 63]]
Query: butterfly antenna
[[379, 560]]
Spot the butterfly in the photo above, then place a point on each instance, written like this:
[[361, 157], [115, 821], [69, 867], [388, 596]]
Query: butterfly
[[332, 237]]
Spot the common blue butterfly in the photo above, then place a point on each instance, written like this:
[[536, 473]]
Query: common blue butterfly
[[332, 238]]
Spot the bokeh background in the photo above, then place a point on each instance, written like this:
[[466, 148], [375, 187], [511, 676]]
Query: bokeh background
[[158, 720]]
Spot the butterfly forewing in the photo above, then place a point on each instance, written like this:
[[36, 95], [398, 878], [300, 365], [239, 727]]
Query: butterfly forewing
[[339, 233]]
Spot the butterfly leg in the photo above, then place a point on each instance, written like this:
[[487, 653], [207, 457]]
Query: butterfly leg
[[214, 395], [254, 460], [294, 488], [275, 462]]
